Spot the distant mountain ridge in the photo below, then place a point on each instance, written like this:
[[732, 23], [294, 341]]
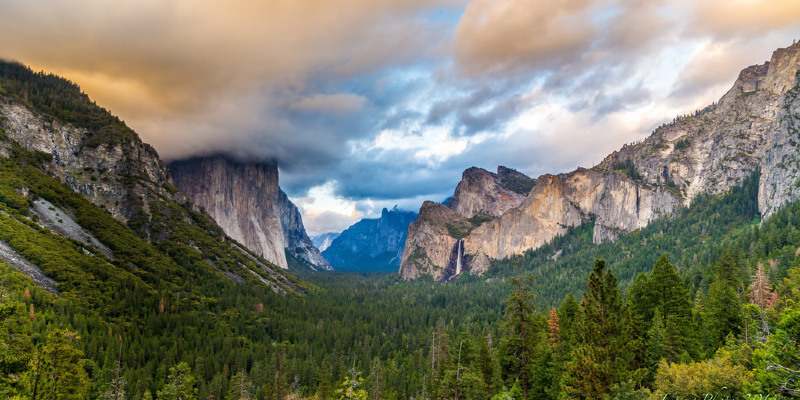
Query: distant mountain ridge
[[324, 240], [372, 244], [753, 127]]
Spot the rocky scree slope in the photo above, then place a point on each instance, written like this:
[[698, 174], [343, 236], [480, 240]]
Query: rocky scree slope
[[755, 126]]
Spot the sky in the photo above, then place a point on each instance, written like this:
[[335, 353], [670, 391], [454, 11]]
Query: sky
[[368, 104]]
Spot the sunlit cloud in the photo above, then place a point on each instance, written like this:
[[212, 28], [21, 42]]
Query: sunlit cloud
[[368, 104]]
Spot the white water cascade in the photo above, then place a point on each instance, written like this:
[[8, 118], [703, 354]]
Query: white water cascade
[[460, 245]]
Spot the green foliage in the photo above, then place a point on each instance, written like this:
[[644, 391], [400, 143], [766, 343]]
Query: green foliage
[[15, 346], [180, 384], [692, 238], [626, 167], [602, 359], [56, 369], [718, 377], [170, 294], [683, 144], [350, 389], [721, 306], [523, 331]]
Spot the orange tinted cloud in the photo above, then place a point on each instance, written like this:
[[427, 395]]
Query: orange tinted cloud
[[743, 17], [155, 62], [497, 34]]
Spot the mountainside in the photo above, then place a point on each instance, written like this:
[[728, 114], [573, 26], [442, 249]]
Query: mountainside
[[324, 240], [754, 127], [371, 244], [52, 130], [248, 204]]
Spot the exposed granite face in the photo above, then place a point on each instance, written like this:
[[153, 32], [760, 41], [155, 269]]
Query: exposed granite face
[[481, 192], [123, 175], [755, 127], [429, 245], [372, 244], [323, 241], [245, 200], [122, 178], [241, 198], [432, 244], [617, 203]]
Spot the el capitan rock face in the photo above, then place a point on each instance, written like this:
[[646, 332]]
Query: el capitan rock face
[[755, 128], [248, 204]]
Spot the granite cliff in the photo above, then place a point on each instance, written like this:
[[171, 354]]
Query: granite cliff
[[435, 238], [371, 244], [755, 127], [246, 201]]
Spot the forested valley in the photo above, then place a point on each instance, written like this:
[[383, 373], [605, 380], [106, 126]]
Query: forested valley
[[701, 302]]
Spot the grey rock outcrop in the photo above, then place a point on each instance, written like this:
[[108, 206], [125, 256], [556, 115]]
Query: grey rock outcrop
[[435, 237], [123, 177]]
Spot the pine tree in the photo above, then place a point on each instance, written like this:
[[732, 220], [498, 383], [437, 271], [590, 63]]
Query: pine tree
[[179, 385], [15, 346], [721, 306], [672, 299], [762, 295], [602, 359], [656, 347], [640, 305], [487, 365], [552, 323], [239, 388], [56, 370], [521, 335], [568, 315]]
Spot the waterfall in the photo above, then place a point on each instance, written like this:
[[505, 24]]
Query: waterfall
[[459, 244]]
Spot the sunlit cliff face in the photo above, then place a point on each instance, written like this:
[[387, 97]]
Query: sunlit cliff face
[[366, 104]]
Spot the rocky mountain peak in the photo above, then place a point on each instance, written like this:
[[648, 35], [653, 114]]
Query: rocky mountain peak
[[481, 192]]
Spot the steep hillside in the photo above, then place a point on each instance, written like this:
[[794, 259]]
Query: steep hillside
[[754, 127], [246, 201], [371, 244]]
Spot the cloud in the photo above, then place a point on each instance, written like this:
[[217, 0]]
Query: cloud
[[339, 103], [180, 59], [495, 36], [743, 18], [383, 102]]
